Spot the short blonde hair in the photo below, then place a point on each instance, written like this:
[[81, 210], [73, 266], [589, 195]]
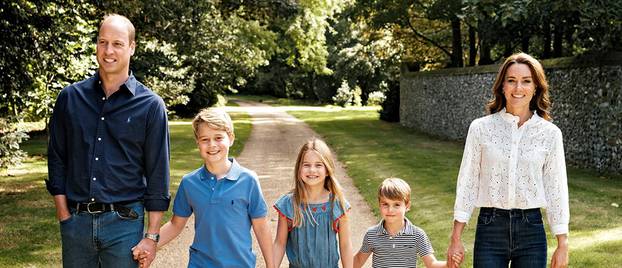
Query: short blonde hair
[[394, 189], [214, 118]]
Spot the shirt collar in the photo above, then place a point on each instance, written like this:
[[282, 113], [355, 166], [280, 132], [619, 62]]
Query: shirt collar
[[408, 229], [234, 171], [130, 83], [513, 119]]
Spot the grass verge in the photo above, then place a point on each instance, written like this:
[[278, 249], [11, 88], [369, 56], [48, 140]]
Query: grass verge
[[373, 150], [29, 231]]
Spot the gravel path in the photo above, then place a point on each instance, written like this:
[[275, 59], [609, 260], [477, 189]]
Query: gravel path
[[271, 152]]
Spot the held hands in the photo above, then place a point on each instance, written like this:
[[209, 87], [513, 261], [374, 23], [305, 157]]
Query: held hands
[[145, 252], [456, 260], [455, 254]]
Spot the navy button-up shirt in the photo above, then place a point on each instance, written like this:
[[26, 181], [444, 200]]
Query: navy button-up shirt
[[109, 149]]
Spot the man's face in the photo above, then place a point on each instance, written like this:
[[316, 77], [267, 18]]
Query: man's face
[[114, 48]]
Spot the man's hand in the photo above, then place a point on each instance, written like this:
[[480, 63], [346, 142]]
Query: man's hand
[[145, 252]]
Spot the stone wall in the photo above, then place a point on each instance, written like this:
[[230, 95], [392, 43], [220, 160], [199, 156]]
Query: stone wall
[[586, 94]]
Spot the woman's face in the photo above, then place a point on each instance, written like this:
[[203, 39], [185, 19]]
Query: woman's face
[[518, 87]]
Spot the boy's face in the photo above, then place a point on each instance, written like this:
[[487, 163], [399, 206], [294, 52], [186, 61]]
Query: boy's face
[[213, 144], [393, 211]]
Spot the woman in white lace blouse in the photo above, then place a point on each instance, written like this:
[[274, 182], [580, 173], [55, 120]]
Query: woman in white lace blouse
[[513, 165]]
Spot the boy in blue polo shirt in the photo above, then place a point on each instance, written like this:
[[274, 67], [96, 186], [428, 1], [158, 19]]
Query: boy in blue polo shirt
[[226, 199]]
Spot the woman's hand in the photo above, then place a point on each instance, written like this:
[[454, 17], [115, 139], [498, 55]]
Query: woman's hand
[[560, 257]]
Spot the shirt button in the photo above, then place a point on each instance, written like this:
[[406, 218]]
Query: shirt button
[[92, 199], [96, 158], [102, 118], [103, 98], [99, 139], [94, 178], [212, 188]]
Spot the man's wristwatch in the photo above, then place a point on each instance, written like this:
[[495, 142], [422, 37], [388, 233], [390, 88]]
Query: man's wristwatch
[[154, 237]]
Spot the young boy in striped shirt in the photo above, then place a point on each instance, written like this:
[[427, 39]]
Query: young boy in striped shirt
[[395, 241]]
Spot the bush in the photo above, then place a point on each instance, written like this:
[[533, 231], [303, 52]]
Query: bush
[[391, 106], [376, 98], [346, 96], [10, 138]]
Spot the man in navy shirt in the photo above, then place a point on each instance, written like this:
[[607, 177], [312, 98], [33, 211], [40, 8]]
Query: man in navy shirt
[[108, 158]]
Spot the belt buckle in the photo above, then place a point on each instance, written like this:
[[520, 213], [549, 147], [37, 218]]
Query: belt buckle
[[88, 208]]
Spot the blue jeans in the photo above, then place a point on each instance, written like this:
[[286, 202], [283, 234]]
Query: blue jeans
[[101, 240], [514, 237]]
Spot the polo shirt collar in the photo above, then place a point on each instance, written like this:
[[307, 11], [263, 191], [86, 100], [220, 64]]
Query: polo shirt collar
[[233, 174], [408, 229], [130, 83]]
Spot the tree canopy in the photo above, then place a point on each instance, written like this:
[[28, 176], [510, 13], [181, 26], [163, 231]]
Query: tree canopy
[[342, 51]]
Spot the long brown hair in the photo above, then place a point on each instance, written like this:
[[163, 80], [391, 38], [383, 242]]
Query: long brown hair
[[539, 102], [330, 183]]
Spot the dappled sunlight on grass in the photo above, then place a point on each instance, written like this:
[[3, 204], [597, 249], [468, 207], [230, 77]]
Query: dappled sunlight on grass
[[29, 231], [373, 150], [582, 240]]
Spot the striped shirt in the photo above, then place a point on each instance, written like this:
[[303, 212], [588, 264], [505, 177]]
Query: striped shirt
[[401, 250]]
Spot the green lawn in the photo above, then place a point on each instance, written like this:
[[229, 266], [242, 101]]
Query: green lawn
[[29, 231], [373, 150]]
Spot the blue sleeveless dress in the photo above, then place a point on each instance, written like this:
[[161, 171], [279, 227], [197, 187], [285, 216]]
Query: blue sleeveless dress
[[315, 243]]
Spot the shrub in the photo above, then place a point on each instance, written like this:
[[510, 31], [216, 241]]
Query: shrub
[[346, 96], [376, 98], [10, 138], [391, 106]]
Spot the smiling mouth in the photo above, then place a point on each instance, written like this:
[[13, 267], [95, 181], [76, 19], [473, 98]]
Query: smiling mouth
[[518, 96]]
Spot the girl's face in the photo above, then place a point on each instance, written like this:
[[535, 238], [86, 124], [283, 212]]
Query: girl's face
[[518, 87], [312, 170]]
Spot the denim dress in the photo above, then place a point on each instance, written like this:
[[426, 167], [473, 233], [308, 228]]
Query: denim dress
[[314, 244]]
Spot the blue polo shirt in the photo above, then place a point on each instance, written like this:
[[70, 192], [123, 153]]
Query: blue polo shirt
[[223, 210]]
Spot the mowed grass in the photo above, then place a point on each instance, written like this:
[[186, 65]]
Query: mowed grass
[[29, 231], [373, 150]]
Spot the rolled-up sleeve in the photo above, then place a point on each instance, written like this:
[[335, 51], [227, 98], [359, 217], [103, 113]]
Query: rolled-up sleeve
[[156, 152], [57, 150], [556, 186], [468, 177]]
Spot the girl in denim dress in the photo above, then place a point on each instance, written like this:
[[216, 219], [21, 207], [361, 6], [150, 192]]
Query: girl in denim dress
[[313, 226]]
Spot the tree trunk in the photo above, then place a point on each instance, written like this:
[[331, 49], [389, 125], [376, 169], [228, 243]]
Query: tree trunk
[[557, 39], [484, 52], [525, 43], [456, 45], [546, 39], [472, 46]]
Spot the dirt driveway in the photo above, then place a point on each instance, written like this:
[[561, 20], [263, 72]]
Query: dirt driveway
[[271, 152]]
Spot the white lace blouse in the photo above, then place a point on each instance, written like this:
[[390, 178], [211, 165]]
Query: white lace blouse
[[508, 167]]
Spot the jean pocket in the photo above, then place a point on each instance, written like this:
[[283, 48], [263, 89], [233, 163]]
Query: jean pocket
[[485, 219], [132, 216], [67, 220], [534, 219]]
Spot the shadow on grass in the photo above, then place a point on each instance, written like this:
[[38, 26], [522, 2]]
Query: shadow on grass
[[29, 229], [373, 150]]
